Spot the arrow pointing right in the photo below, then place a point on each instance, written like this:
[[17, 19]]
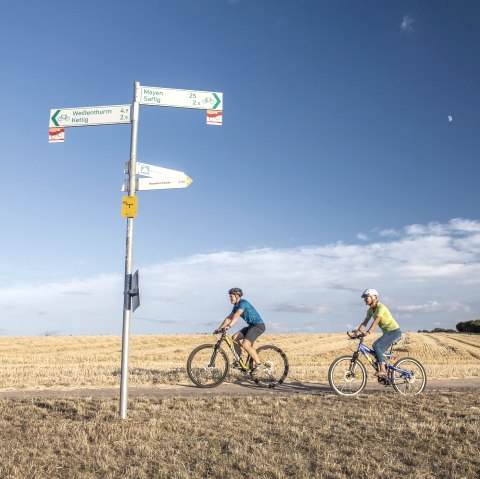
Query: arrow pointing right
[[218, 101]]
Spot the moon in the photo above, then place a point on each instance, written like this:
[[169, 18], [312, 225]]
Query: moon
[[450, 118]]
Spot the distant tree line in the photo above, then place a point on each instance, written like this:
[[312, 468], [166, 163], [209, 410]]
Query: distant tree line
[[469, 326], [462, 327], [437, 330]]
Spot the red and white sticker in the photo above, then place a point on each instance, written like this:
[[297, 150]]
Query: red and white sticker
[[56, 135], [214, 117]]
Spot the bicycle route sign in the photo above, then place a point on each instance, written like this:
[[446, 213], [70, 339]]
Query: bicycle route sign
[[158, 178], [90, 116], [201, 100]]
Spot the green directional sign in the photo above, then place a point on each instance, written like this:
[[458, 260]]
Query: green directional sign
[[90, 116], [202, 100]]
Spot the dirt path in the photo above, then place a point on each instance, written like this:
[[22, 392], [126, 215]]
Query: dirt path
[[231, 389]]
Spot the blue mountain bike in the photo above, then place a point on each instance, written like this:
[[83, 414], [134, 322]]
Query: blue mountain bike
[[348, 375]]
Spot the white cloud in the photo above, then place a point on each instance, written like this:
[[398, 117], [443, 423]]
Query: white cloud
[[427, 273], [432, 307], [407, 23], [302, 308], [390, 232]]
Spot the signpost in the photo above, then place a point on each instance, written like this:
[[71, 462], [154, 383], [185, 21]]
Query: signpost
[[158, 178], [153, 171], [90, 116], [162, 183], [154, 177], [201, 100]]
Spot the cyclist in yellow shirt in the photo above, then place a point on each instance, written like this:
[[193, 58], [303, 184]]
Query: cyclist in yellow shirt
[[383, 318]]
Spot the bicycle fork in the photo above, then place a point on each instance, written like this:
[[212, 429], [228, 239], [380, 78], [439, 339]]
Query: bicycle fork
[[214, 354], [353, 363]]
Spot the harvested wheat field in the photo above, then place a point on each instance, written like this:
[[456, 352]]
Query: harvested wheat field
[[301, 436], [65, 362]]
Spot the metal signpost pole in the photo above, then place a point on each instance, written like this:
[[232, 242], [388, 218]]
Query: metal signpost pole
[[157, 177], [127, 308]]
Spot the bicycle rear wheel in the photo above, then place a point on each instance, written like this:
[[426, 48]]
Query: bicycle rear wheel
[[275, 366], [207, 367], [408, 376], [347, 376]]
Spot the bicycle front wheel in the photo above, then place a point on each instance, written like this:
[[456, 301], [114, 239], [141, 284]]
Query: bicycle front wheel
[[275, 366], [207, 367], [408, 376], [347, 376]]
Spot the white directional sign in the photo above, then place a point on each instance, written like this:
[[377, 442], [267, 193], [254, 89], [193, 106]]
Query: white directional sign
[[165, 182], [158, 178], [90, 116], [155, 171], [202, 100]]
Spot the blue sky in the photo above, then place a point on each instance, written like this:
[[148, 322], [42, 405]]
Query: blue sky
[[348, 158]]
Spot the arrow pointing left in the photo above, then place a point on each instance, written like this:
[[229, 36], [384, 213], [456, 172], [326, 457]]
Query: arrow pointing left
[[90, 116], [54, 118]]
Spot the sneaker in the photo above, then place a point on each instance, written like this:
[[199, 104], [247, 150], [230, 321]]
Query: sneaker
[[257, 368]]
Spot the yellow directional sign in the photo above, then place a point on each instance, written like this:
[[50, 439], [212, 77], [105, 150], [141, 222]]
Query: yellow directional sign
[[129, 206]]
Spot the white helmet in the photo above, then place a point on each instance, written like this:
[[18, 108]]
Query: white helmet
[[370, 292]]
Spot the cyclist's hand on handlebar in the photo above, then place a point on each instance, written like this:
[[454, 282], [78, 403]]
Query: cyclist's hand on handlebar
[[220, 330], [356, 334]]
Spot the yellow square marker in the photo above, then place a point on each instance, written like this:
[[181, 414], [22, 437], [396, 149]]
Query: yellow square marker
[[129, 206]]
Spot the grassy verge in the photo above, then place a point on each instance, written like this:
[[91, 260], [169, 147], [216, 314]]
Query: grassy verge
[[376, 435]]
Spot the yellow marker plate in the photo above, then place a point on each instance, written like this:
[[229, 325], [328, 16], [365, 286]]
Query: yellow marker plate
[[129, 206]]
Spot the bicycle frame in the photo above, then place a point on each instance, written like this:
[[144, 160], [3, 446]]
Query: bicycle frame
[[368, 353], [231, 345]]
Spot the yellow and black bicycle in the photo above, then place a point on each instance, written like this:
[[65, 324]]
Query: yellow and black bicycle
[[208, 364]]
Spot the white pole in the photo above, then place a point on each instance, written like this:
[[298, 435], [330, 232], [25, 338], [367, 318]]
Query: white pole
[[127, 303]]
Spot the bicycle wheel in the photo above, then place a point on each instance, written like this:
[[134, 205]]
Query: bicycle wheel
[[275, 366], [207, 367], [408, 376], [346, 376]]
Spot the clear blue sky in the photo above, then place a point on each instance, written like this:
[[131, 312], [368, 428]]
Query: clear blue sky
[[348, 159]]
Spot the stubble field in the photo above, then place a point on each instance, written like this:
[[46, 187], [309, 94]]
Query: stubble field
[[67, 362], [307, 435]]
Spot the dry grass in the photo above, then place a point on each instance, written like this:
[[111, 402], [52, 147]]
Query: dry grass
[[93, 362], [303, 436], [316, 435]]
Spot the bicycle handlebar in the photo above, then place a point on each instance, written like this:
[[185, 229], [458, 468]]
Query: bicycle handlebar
[[355, 335], [221, 331]]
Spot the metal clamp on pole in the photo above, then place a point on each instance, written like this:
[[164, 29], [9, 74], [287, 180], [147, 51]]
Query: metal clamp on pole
[[133, 292]]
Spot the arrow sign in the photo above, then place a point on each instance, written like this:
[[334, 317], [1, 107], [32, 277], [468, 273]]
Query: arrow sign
[[156, 171], [90, 116], [166, 183], [160, 183], [202, 100]]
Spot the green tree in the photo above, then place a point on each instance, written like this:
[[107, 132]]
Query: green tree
[[469, 326]]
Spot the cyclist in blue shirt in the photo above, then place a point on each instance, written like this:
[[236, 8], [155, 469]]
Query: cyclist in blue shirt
[[249, 334]]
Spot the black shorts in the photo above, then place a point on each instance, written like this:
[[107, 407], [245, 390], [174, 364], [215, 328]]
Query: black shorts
[[252, 331]]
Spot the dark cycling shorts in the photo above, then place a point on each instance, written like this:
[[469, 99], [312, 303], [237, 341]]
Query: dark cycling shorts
[[253, 331]]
